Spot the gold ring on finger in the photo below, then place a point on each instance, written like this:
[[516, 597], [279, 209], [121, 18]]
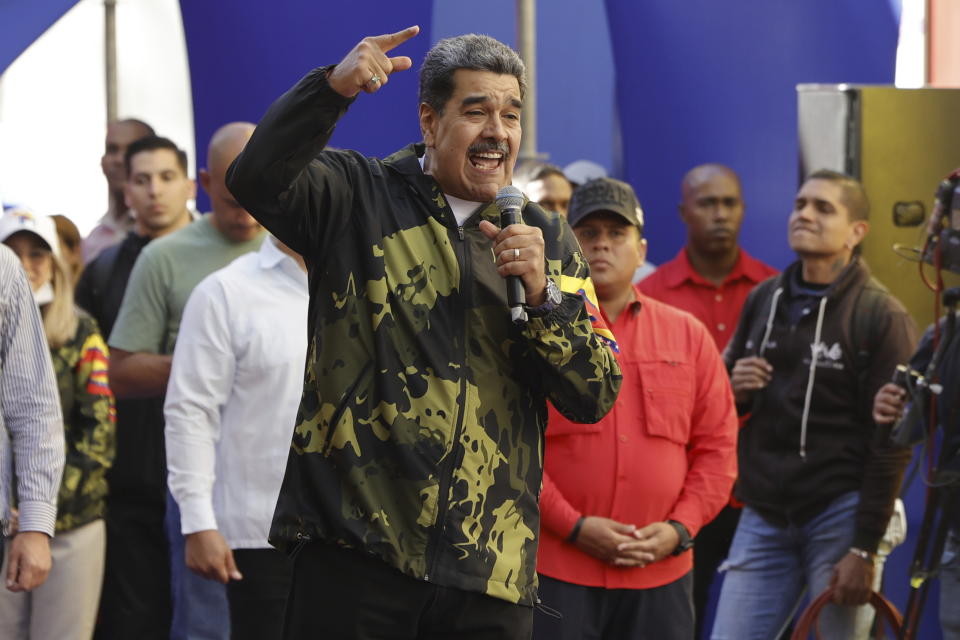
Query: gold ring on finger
[[516, 254]]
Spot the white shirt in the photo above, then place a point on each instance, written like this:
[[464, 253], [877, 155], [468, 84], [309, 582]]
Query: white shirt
[[462, 209], [233, 395]]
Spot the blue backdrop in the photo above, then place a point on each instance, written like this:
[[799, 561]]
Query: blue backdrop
[[23, 21], [241, 59], [705, 81]]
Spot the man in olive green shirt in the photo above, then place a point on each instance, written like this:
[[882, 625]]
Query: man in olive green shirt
[[145, 333]]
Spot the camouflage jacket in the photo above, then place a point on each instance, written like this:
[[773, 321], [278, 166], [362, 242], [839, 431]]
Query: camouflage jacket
[[419, 438], [89, 421]]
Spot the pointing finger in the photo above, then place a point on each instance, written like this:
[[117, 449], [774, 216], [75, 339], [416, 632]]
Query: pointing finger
[[390, 40]]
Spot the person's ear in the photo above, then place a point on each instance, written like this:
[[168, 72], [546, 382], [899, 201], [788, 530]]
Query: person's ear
[[428, 123], [205, 180], [858, 231]]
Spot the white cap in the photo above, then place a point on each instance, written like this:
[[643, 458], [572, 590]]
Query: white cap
[[582, 171], [16, 220]]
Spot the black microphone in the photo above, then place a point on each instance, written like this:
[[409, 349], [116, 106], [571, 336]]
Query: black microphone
[[509, 201]]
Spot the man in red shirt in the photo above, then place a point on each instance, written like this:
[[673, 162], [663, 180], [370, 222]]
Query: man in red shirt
[[710, 278], [622, 498], [712, 275]]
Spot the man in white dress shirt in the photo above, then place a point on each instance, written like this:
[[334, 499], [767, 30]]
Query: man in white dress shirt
[[230, 410]]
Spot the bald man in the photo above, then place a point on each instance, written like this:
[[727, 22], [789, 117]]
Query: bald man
[[145, 333], [117, 221], [710, 278], [712, 274]]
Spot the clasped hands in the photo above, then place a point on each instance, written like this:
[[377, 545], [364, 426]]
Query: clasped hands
[[625, 545]]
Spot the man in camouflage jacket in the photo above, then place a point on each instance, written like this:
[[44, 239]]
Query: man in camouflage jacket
[[419, 440]]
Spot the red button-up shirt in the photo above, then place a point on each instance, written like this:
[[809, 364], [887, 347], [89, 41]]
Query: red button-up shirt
[[665, 451], [678, 284]]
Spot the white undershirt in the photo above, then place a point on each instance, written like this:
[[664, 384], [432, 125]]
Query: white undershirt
[[462, 209]]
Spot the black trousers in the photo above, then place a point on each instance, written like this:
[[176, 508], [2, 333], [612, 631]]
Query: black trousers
[[135, 600], [340, 594], [711, 548], [257, 602], [595, 613]]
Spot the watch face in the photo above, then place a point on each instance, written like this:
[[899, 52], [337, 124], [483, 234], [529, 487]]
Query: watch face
[[553, 293]]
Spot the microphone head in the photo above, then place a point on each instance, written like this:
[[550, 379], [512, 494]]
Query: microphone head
[[509, 197]]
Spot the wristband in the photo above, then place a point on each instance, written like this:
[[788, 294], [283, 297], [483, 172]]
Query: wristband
[[576, 529], [866, 556]]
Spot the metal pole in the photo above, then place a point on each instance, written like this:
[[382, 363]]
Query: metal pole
[[110, 56], [527, 41]]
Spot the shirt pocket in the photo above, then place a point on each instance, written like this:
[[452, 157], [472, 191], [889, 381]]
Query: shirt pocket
[[666, 384]]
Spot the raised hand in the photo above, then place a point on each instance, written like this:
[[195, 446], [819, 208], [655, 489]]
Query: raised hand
[[367, 67], [749, 375], [888, 403]]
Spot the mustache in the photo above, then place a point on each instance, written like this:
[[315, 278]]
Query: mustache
[[486, 146]]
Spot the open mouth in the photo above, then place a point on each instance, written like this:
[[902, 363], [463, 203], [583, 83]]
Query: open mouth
[[487, 160]]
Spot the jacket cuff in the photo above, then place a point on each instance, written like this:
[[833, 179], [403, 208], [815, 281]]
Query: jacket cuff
[[196, 514], [37, 516], [866, 540], [328, 94], [563, 315]]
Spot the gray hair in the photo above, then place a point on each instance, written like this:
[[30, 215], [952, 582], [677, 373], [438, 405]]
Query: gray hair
[[471, 51]]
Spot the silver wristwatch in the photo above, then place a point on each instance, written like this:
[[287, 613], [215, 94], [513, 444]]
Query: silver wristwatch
[[551, 302]]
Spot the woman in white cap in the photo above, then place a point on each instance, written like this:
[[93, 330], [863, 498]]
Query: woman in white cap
[[65, 606]]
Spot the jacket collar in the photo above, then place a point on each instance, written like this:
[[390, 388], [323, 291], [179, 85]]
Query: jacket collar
[[406, 162], [854, 274]]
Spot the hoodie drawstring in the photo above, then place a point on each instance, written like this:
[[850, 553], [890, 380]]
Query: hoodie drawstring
[[770, 316], [813, 372]]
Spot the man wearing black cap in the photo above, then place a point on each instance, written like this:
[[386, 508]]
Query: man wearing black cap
[[623, 498]]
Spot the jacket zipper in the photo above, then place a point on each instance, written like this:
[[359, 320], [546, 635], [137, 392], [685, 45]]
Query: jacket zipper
[[348, 396], [446, 477]]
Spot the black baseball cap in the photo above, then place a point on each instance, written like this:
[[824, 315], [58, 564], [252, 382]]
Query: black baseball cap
[[605, 194]]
